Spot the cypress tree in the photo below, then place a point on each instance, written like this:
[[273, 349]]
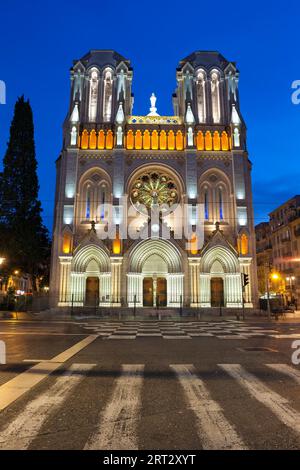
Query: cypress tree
[[23, 237]]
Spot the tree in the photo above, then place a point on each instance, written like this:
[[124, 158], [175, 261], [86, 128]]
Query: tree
[[23, 237]]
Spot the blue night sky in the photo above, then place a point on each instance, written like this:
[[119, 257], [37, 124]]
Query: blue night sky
[[39, 40]]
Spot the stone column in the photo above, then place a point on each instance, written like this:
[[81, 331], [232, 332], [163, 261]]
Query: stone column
[[205, 291], [135, 287], [194, 264], [116, 264], [64, 285]]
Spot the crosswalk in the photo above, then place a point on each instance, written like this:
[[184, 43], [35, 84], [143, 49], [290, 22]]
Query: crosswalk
[[117, 422], [182, 330]]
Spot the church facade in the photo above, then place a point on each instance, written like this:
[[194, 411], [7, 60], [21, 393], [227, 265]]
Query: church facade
[[153, 210]]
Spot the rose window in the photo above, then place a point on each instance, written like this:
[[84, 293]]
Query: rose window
[[154, 188]]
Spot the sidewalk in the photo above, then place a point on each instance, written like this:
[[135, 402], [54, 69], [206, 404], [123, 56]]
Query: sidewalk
[[114, 316]]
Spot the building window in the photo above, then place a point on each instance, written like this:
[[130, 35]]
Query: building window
[[220, 197], [206, 210], [215, 97], [107, 96], [93, 96], [88, 204], [201, 101]]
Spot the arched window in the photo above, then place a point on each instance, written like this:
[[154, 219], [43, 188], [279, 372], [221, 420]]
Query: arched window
[[244, 244], [215, 96], [208, 140], [93, 139], [93, 100], [130, 140], [109, 140], [200, 140], [146, 140], [236, 137], [154, 140], [88, 204], [201, 99], [103, 201], [107, 96], [179, 140], [162, 140], [171, 140], [220, 201], [224, 141], [138, 142], [101, 140], [85, 139], [216, 139], [67, 243], [206, 204], [74, 136]]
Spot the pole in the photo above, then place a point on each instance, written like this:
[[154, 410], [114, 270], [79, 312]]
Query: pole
[[268, 293], [180, 306], [72, 305], [134, 305]]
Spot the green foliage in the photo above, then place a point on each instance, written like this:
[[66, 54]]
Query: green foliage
[[24, 240]]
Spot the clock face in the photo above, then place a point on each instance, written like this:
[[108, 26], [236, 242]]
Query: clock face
[[154, 188]]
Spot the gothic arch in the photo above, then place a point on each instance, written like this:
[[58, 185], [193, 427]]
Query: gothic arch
[[215, 192], [146, 248], [86, 254], [226, 258], [153, 167]]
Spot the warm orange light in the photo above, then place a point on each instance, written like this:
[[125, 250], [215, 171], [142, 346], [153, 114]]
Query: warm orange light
[[85, 139], [171, 140], [130, 140], [179, 140], [146, 140], [109, 140], [16, 272], [194, 244], [138, 141], [117, 246], [217, 144], [101, 140], [163, 140], [275, 276], [67, 240], [93, 139], [208, 141], [200, 140], [224, 141], [244, 244], [154, 140]]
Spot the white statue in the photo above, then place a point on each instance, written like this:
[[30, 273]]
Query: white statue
[[153, 109]]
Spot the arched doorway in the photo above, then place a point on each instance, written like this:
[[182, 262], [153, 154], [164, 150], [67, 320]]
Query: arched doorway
[[155, 277], [217, 292]]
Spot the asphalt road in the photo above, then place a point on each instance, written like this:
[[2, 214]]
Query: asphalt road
[[149, 385]]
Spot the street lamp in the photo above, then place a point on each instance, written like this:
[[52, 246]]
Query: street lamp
[[2, 260]]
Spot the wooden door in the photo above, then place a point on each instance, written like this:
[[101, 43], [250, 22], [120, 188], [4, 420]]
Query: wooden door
[[217, 292], [92, 291], [161, 291], [148, 292]]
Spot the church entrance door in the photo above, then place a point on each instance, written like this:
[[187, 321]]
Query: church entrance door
[[161, 291], [217, 292], [148, 292], [92, 292]]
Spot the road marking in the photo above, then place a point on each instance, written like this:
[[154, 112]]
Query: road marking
[[117, 426], [288, 336], [16, 387], [35, 333], [287, 370], [26, 426], [279, 405], [214, 431]]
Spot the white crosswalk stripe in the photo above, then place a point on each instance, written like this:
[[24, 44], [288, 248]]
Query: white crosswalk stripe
[[286, 370], [214, 431], [26, 426], [277, 404], [117, 426]]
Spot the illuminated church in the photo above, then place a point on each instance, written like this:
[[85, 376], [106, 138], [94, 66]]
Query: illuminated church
[[115, 167]]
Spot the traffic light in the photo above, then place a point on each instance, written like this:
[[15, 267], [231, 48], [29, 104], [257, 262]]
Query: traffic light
[[245, 279]]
